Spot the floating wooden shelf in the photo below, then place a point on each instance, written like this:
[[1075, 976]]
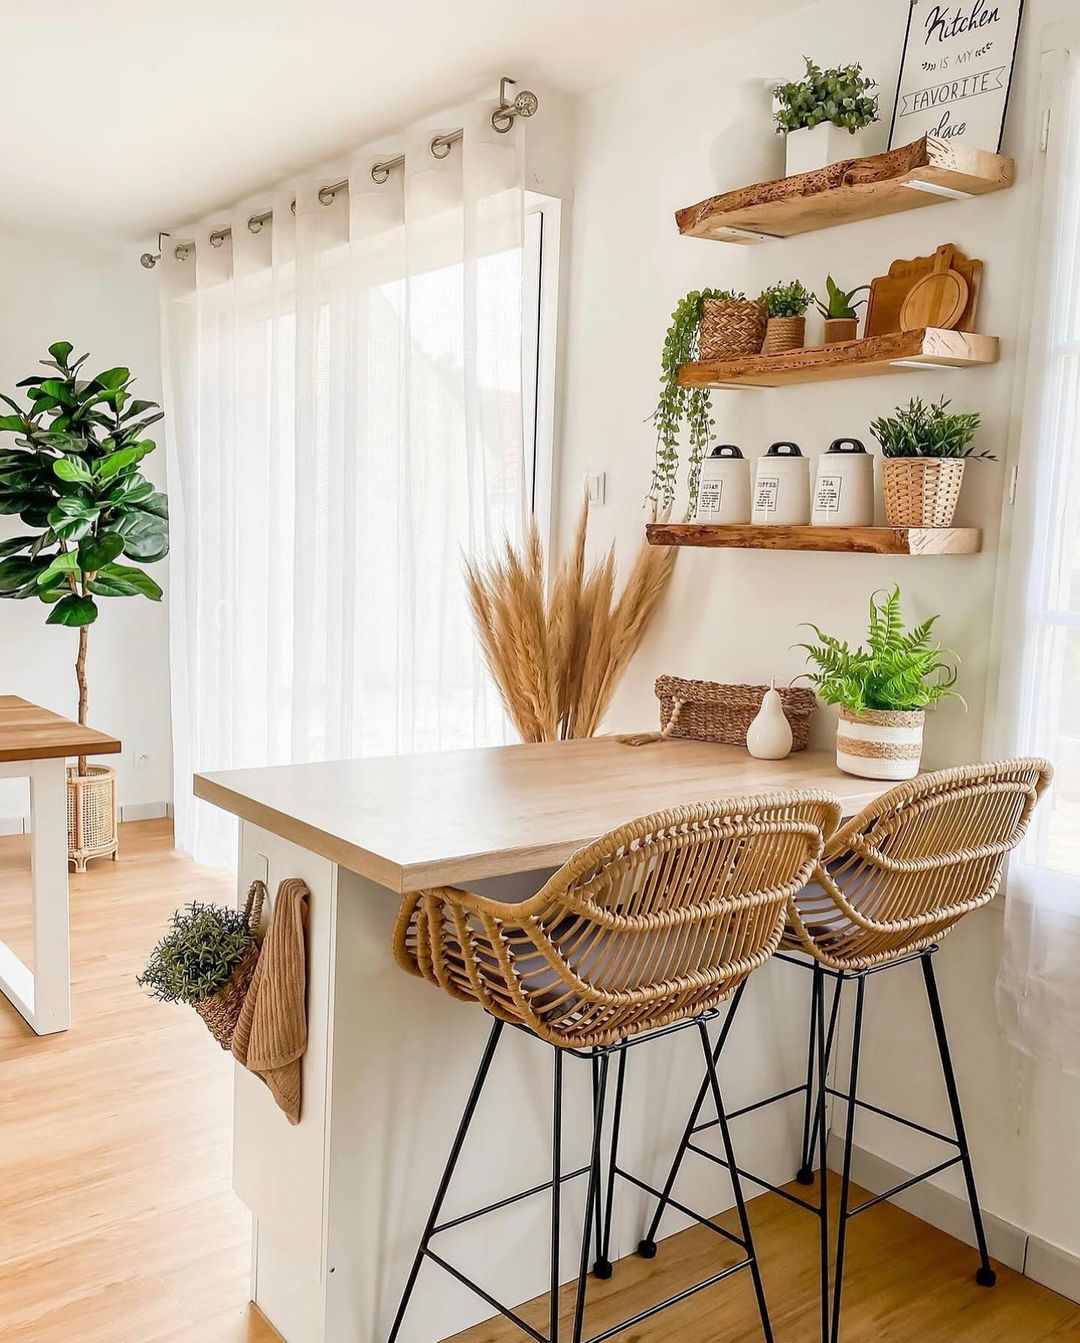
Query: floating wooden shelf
[[924, 173], [895, 352], [853, 540]]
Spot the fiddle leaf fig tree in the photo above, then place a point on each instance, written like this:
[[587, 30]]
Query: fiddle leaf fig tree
[[89, 518]]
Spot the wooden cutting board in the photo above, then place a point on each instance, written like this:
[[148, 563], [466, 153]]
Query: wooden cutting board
[[937, 300], [888, 292]]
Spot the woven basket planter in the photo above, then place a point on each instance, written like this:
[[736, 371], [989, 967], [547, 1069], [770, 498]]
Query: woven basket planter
[[731, 328], [921, 491], [91, 814], [221, 1011], [784, 333], [880, 743], [709, 711]]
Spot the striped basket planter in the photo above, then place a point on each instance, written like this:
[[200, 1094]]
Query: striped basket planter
[[880, 743]]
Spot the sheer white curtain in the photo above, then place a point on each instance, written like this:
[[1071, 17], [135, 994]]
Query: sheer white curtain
[[1039, 983], [344, 391]]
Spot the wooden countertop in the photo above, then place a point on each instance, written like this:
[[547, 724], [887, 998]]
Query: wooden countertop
[[412, 821], [28, 732]]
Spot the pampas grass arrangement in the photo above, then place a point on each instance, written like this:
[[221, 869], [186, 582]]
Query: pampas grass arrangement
[[557, 659]]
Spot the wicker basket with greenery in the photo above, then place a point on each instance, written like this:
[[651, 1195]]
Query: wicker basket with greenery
[[207, 959], [924, 449]]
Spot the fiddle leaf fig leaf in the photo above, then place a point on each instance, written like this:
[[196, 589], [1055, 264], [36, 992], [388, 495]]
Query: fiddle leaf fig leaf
[[95, 552], [73, 610], [73, 470]]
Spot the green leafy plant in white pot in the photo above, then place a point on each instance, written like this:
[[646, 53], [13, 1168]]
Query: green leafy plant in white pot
[[825, 116], [883, 690], [88, 521]]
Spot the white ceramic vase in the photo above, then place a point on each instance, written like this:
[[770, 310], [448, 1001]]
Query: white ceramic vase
[[769, 735]]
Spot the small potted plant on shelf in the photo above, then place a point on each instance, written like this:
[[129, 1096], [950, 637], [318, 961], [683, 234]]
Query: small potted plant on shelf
[[732, 325], [924, 449], [883, 690], [785, 305], [73, 480], [825, 115], [840, 312]]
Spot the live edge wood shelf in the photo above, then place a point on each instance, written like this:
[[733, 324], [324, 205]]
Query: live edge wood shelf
[[926, 172], [853, 540], [895, 352]]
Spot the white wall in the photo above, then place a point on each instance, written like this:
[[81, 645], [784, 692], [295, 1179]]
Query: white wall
[[666, 139], [99, 298]]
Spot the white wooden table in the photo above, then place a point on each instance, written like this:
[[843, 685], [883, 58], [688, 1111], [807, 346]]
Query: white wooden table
[[36, 744]]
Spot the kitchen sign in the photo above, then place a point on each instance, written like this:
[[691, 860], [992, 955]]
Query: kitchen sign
[[956, 72]]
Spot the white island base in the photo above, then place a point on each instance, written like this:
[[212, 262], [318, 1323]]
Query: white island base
[[339, 1201]]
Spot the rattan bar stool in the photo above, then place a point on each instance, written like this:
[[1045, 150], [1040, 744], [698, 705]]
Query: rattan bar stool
[[640, 935], [892, 882]]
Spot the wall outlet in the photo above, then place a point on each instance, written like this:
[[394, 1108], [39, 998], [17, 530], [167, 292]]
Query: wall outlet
[[596, 487], [141, 760]]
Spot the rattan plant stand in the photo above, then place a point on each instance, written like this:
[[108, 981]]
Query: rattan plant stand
[[892, 882], [641, 935], [91, 814]]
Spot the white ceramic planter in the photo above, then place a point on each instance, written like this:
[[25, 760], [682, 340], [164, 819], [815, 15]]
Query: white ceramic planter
[[880, 743], [809, 150]]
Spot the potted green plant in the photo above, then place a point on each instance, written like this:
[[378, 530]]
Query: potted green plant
[[785, 306], [883, 690], [825, 115], [924, 449], [72, 478], [207, 960], [840, 311], [677, 405]]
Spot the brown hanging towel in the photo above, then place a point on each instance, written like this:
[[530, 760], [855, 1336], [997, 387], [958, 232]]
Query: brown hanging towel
[[271, 1035]]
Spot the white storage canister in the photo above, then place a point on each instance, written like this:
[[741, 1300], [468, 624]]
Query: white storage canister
[[782, 487], [724, 492], [844, 490]]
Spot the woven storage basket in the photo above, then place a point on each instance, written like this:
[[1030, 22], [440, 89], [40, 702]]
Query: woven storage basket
[[708, 711], [731, 327], [921, 491], [880, 743], [91, 814], [221, 1011], [784, 333]]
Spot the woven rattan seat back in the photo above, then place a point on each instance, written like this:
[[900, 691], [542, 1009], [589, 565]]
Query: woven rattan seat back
[[897, 877], [655, 922]]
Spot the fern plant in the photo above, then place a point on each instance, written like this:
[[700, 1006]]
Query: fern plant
[[677, 405], [899, 669]]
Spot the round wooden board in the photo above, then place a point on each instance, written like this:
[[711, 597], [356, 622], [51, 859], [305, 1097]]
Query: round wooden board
[[937, 300]]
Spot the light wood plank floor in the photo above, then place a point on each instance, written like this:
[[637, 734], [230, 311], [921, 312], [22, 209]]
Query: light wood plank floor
[[118, 1224]]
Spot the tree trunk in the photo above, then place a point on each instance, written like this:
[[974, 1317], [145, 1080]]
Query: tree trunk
[[80, 676]]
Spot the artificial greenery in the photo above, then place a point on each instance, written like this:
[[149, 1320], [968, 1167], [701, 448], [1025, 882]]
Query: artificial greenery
[[898, 670], [73, 480], [678, 405], [790, 299], [197, 956], [921, 430], [840, 305], [842, 95]]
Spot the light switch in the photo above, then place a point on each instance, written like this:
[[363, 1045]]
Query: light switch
[[596, 487]]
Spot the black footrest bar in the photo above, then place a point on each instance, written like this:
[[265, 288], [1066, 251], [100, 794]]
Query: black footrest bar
[[754, 1179], [506, 1202], [907, 1184], [671, 1301], [511, 1315], [681, 1207]]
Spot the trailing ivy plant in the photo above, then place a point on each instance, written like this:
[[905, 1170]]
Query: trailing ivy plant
[[677, 405], [842, 95], [921, 430], [787, 299], [840, 304], [73, 480], [197, 956], [898, 669]]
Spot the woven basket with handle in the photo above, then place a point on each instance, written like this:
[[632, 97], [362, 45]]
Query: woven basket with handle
[[709, 711], [221, 1011], [731, 327]]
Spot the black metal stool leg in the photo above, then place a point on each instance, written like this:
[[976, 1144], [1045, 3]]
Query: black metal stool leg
[[821, 1134], [556, 1195], [591, 1204], [603, 1266], [806, 1171], [985, 1276], [830, 1037], [647, 1247], [736, 1183], [849, 1138], [448, 1173], [596, 1223]]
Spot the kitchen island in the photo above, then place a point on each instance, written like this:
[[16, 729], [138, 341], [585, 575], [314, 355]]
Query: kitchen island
[[339, 1201]]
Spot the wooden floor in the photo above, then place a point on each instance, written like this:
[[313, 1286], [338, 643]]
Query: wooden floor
[[118, 1224]]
